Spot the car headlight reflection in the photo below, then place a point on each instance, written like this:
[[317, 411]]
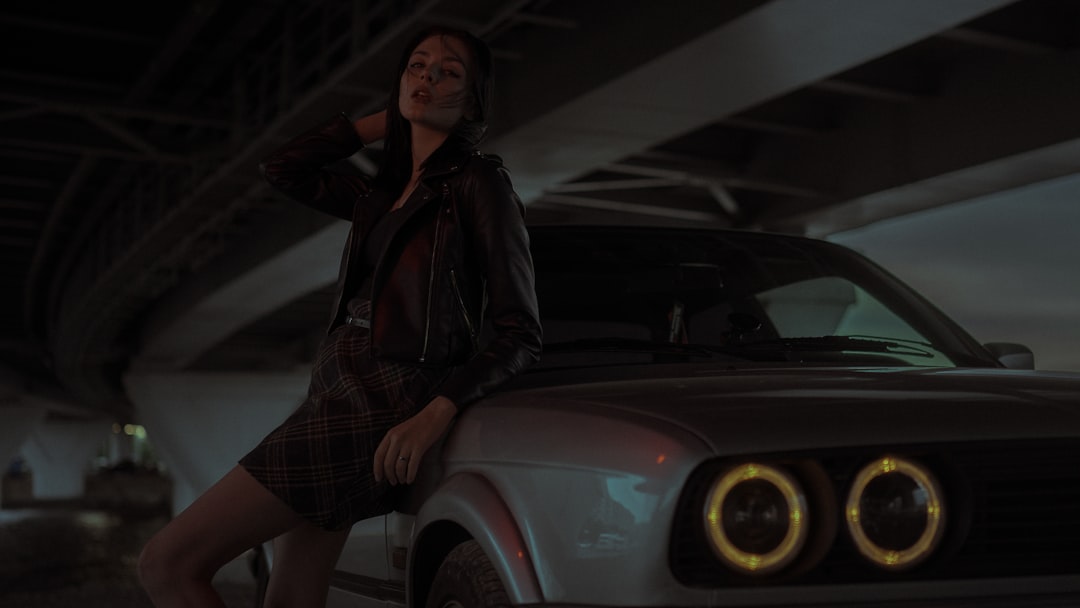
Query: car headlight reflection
[[755, 516], [895, 512]]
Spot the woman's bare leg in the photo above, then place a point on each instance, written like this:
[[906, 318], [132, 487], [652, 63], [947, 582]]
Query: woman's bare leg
[[234, 515], [304, 559]]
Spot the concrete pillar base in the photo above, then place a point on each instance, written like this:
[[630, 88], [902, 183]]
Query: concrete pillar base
[[19, 422], [60, 453]]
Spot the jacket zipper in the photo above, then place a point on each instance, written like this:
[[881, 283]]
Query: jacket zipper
[[431, 283], [464, 311]]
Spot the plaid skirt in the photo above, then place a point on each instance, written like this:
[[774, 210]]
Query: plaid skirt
[[319, 461]]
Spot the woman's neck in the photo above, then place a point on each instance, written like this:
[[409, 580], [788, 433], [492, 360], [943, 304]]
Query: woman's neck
[[424, 142]]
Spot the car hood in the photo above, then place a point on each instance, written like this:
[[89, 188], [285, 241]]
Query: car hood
[[753, 410]]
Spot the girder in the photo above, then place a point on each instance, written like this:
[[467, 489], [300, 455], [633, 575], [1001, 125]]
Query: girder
[[128, 194]]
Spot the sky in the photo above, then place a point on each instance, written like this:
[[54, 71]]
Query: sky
[[1004, 266]]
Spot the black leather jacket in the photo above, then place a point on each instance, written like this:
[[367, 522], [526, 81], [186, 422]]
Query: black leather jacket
[[460, 255]]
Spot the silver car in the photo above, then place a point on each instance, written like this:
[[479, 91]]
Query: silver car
[[739, 419]]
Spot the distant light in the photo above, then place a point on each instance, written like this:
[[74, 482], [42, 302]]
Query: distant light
[[116, 428], [129, 429], [660, 459], [140, 431]]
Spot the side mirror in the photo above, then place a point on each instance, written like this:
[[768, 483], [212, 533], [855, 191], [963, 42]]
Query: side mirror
[[1012, 356]]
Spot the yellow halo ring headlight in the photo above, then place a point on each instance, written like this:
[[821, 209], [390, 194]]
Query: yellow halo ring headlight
[[749, 562], [896, 558]]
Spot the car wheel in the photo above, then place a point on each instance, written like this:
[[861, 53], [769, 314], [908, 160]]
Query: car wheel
[[466, 579]]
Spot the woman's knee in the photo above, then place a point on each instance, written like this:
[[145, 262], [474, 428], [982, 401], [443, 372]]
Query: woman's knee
[[162, 566], [152, 568], [158, 567]]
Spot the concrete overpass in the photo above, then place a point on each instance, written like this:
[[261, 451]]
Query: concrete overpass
[[153, 278]]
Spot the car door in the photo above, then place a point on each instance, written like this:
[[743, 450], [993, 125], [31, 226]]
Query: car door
[[362, 572]]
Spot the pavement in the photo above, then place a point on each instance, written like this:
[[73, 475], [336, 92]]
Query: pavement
[[67, 556]]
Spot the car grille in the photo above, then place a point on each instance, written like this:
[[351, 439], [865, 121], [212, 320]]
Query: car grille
[[1013, 509]]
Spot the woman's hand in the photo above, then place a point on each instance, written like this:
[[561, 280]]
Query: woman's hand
[[371, 127], [399, 453]]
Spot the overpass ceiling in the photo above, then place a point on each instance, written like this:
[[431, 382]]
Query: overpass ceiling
[[129, 138]]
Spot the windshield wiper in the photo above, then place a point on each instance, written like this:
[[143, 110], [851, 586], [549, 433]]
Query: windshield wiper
[[872, 344]]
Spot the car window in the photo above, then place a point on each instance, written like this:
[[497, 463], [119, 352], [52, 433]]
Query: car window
[[623, 296], [833, 306]]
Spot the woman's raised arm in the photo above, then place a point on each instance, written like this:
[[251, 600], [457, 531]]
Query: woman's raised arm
[[299, 167]]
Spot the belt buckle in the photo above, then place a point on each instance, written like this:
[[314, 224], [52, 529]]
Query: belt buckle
[[356, 322]]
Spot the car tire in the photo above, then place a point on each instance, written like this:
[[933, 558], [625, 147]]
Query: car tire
[[466, 579]]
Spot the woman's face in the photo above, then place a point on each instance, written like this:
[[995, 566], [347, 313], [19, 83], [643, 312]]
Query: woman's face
[[434, 90]]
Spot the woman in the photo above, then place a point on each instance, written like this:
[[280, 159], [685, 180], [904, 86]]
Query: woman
[[437, 243]]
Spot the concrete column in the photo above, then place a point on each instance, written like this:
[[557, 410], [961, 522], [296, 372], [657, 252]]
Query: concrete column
[[59, 452], [16, 423], [201, 423]]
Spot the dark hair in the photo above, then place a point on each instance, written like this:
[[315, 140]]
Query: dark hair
[[397, 146]]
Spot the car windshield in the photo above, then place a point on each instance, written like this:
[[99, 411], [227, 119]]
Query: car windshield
[[632, 295]]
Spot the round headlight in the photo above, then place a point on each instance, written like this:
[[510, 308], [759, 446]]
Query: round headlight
[[755, 516], [895, 512]]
